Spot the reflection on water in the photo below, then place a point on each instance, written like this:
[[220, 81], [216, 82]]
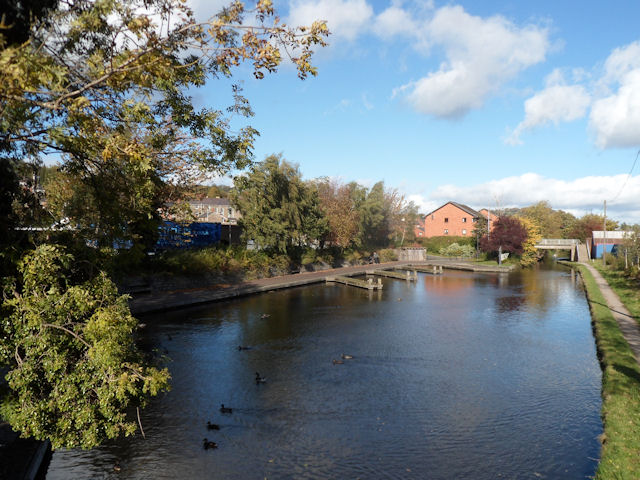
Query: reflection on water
[[466, 376]]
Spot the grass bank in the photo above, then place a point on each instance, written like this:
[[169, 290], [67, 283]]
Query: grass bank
[[620, 455], [626, 287]]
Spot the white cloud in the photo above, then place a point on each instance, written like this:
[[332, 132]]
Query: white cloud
[[346, 19], [615, 118], [622, 61], [556, 103], [482, 54], [579, 196], [394, 21], [205, 9], [614, 99]]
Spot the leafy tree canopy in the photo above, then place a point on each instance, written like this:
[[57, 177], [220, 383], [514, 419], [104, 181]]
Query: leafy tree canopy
[[508, 234], [374, 229], [530, 254], [102, 83], [340, 211], [279, 210], [74, 368], [552, 223], [583, 227]]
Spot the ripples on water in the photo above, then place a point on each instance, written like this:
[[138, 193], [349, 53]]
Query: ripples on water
[[460, 376]]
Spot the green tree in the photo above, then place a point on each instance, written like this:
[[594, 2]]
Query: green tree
[[631, 247], [102, 84], [374, 228], [552, 223], [74, 369], [279, 210]]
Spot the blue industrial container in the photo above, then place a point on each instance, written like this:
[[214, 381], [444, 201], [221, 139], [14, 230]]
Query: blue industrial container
[[176, 235]]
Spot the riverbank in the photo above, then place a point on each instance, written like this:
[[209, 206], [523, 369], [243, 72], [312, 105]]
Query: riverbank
[[617, 336], [148, 302]]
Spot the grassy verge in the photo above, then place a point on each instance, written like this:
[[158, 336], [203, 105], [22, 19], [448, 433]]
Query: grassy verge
[[620, 455], [627, 288]]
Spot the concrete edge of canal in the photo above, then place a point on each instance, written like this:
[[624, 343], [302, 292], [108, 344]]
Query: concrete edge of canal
[[145, 303]]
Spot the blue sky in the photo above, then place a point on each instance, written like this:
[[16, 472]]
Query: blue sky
[[492, 104]]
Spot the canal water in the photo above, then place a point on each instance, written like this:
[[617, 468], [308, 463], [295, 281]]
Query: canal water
[[459, 376]]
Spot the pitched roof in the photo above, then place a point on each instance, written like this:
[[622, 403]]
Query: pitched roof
[[462, 207], [211, 201]]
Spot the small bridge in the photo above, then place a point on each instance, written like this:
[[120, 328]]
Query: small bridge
[[578, 250]]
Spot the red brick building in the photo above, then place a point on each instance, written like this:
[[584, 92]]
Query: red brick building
[[454, 219]]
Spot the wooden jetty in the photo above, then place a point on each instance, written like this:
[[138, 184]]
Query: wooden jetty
[[391, 274], [431, 269], [369, 284], [471, 267]]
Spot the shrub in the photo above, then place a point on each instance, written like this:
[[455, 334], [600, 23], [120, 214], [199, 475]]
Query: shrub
[[388, 255], [309, 256], [456, 250], [434, 244]]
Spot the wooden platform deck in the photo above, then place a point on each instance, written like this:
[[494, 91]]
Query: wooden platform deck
[[408, 275], [432, 269], [471, 267], [368, 284]]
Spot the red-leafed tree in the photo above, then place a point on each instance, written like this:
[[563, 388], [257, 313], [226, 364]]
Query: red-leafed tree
[[507, 235]]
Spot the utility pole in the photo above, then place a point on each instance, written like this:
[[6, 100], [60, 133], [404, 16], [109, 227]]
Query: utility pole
[[604, 239]]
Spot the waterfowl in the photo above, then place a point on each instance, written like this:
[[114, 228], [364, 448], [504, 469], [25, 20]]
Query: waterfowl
[[265, 315], [347, 357], [337, 362], [117, 468], [224, 409], [240, 347], [212, 426], [207, 444], [260, 379]]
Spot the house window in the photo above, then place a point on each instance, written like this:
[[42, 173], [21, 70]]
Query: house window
[[464, 219], [446, 231], [464, 232], [474, 220], [446, 220], [432, 216]]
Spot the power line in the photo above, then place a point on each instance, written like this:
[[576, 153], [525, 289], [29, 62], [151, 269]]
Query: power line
[[628, 177]]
